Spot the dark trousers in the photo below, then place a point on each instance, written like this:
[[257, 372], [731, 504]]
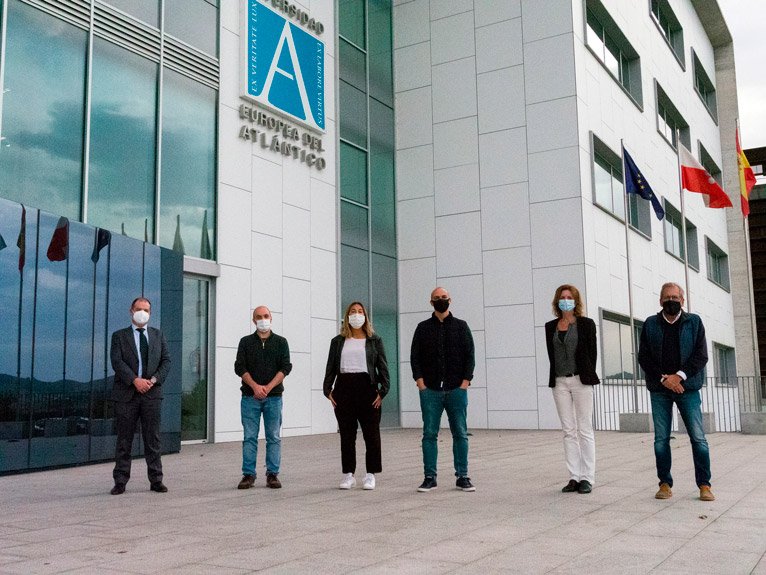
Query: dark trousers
[[127, 414], [353, 395]]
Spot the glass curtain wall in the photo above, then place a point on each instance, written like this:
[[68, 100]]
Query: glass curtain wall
[[367, 210], [70, 289], [116, 128]]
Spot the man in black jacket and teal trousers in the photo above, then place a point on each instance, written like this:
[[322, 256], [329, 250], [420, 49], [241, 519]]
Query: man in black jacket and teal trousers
[[673, 354], [442, 360], [263, 362]]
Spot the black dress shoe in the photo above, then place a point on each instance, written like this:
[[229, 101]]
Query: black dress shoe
[[571, 487], [585, 487], [159, 487], [118, 489]]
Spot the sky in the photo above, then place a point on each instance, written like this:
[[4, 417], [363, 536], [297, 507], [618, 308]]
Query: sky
[[747, 23]]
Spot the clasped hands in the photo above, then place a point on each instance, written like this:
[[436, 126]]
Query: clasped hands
[[142, 385], [672, 382]]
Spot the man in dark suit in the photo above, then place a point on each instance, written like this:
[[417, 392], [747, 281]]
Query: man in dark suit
[[141, 362]]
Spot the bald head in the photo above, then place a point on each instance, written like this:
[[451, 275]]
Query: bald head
[[261, 312], [439, 293]]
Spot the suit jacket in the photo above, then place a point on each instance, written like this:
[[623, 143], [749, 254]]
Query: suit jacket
[[377, 366], [586, 351], [125, 363]]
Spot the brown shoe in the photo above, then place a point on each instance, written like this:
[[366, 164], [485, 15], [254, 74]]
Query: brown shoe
[[706, 494], [272, 481], [664, 492], [246, 482]]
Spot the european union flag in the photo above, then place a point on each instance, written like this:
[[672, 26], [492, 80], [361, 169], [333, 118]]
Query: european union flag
[[635, 183]]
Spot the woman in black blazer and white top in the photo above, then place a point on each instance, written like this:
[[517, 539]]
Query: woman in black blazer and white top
[[356, 381], [572, 351]]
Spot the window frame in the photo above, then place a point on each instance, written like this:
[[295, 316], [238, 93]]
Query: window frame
[[664, 8], [700, 74], [673, 217], [712, 250], [707, 161], [627, 54], [730, 364], [610, 157], [664, 104], [620, 319]]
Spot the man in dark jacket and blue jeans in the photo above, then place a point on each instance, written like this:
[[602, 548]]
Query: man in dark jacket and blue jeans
[[442, 360], [673, 353]]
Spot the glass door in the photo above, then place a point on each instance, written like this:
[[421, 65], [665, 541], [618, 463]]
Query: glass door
[[194, 382]]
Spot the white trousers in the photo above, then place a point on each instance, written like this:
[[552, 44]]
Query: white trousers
[[574, 402]]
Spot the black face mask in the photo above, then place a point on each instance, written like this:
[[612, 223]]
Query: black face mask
[[671, 307], [441, 305]]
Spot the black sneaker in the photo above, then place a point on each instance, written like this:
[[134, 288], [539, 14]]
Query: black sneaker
[[465, 484], [571, 487], [428, 484], [585, 487]]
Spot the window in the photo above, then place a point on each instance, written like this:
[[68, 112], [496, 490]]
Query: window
[[616, 343], [757, 169], [43, 129], [195, 22], [367, 182], [674, 244], [704, 87], [608, 189], [670, 27], [669, 120], [725, 364], [717, 265], [123, 141], [612, 48], [709, 164], [187, 197]]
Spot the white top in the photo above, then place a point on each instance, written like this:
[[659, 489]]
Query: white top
[[353, 358]]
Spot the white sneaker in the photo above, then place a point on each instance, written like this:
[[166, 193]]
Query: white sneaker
[[369, 481], [348, 481]]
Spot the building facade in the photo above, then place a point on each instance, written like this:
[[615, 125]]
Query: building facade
[[306, 154]]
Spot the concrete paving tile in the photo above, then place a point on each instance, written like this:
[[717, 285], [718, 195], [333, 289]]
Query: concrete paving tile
[[312, 566], [404, 566], [706, 560], [56, 563], [205, 569], [760, 569], [60, 546], [262, 557], [662, 546], [748, 541], [456, 551], [359, 554], [516, 560], [607, 562]]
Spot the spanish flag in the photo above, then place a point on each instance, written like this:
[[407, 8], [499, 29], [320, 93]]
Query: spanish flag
[[746, 178]]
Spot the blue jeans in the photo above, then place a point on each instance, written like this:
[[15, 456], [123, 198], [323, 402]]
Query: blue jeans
[[432, 404], [251, 409], [689, 409]]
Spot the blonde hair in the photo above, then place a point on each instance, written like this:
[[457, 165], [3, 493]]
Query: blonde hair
[[575, 294], [345, 329]]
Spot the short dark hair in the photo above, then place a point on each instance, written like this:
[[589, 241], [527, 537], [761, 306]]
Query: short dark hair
[[138, 299]]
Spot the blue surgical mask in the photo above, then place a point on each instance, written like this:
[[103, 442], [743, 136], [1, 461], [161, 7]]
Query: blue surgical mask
[[566, 304]]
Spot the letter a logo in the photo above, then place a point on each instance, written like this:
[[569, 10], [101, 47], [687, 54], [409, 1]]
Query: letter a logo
[[284, 67]]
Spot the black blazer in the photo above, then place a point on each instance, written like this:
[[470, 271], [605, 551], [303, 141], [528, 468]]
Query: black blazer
[[586, 351], [125, 363], [377, 366]]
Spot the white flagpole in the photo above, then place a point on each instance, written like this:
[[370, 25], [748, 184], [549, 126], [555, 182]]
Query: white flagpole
[[683, 223], [630, 282]]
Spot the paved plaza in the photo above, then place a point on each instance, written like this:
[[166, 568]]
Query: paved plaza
[[517, 521]]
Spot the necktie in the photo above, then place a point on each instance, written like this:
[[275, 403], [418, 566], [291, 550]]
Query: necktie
[[144, 345]]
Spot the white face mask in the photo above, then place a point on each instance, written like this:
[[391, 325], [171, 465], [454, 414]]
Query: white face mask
[[356, 320], [141, 317], [263, 325]]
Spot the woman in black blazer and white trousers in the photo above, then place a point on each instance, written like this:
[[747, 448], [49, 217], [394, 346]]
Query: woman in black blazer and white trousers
[[572, 351], [356, 381]]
